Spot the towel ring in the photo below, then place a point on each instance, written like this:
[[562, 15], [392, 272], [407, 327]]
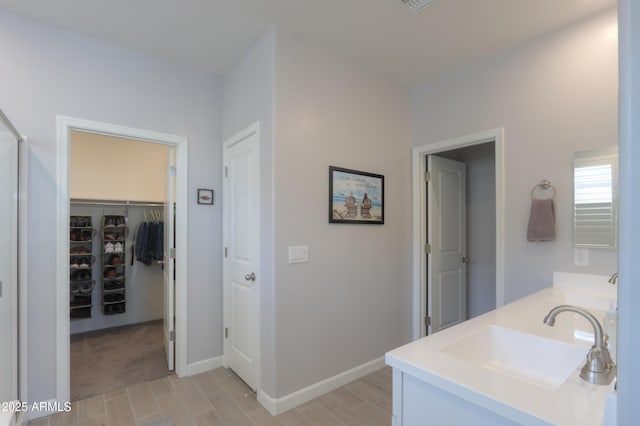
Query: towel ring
[[544, 185]]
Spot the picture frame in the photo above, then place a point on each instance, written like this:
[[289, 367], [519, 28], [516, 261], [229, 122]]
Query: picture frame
[[355, 196], [205, 196]]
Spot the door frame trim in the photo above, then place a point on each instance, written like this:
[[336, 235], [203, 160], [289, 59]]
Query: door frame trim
[[419, 284], [64, 126], [23, 215], [253, 129]]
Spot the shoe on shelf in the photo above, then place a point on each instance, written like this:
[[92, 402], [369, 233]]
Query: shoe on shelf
[[108, 222], [74, 263], [110, 273], [109, 248], [113, 285], [118, 248], [84, 263], [115, 260]]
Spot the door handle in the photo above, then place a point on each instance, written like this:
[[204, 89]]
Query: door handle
[[465, 259], [250, 277]]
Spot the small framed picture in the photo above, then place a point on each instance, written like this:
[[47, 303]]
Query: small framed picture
[[355, 197], [205, 196]]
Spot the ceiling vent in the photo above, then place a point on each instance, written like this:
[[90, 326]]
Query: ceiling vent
[[417, 5]]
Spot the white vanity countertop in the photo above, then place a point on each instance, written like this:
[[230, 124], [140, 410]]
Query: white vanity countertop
[[575, 402]]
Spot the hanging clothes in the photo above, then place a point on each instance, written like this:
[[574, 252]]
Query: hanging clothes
[[149, 242]]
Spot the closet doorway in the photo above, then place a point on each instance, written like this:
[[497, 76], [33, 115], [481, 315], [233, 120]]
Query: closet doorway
[[124, 226]]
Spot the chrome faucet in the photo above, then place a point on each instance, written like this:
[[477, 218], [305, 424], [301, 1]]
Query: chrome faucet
[[599, 368], [614, 278]]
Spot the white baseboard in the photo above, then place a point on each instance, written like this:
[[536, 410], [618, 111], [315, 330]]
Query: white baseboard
[[276, 406], [202, 366], [36, 414]]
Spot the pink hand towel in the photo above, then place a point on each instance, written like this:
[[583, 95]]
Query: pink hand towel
[[542, 221]]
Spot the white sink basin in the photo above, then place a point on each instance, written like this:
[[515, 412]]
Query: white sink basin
[[537, 360]]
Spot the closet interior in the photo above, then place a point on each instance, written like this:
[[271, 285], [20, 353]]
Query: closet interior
[[106, 277], [116, 252]]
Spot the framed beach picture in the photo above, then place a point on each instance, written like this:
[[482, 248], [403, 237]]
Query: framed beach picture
[[355, 197]]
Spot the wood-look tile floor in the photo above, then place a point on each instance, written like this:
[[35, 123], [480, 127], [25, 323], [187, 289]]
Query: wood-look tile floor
[[218, 398], [115, 358]]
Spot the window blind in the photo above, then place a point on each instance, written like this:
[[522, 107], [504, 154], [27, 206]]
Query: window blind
[[594, 203]]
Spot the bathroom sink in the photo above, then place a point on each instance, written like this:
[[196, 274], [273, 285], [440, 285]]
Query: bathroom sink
[[537, 360]]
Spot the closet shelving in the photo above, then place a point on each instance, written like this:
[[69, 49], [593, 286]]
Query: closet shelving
[[81, 260], [114, 234]]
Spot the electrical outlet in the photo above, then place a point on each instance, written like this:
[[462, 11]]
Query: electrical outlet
[[581, 257]]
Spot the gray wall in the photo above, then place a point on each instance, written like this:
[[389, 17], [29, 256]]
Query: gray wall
[[553, 96], [249, 96], [352, 301], [481, 228], [628, 288], [48, 71]]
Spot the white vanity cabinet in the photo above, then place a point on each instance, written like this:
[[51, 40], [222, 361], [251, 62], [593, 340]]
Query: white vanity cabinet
[[505, 367], [416, 402]]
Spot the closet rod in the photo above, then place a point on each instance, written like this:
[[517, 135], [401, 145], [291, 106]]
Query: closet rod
[[115, 203]]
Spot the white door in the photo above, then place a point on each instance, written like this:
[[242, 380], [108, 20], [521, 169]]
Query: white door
[[169, 262], [8, 266], [241, 228], [447, 237]]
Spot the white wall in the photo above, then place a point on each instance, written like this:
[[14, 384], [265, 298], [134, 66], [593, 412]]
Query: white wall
[[48, 71], [351, 302], [249, 96], [553, 96], [109, 168]]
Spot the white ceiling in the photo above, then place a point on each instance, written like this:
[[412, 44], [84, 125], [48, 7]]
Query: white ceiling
[[382, 35]]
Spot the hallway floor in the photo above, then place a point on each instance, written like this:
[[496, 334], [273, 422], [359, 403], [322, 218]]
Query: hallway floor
[[217, 397]]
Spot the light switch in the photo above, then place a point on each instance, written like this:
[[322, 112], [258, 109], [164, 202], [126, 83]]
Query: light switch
[[298, 254]]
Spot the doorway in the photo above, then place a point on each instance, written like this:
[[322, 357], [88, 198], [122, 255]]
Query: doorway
[[108, 223], [478, 250], [119, 192]]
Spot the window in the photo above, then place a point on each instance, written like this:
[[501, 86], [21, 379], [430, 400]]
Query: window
[[595, 200]]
